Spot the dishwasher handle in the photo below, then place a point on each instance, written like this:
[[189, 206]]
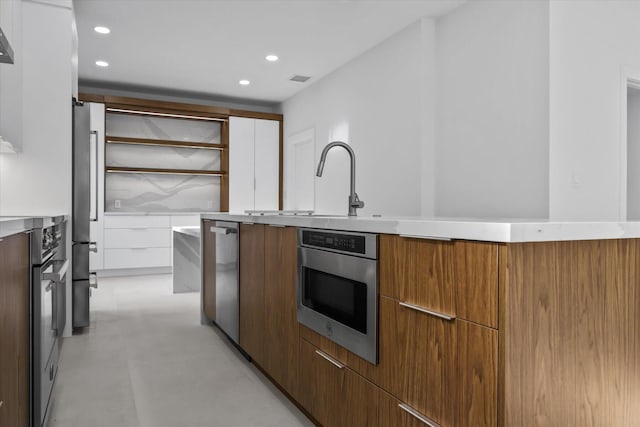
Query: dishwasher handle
[[223, 230]]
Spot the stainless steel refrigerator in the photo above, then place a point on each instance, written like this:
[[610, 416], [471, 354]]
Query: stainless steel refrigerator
[[85, 205]]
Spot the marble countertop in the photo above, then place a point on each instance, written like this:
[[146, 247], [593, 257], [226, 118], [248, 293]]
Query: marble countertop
[[490, 230], [18, 224], [191, 231]]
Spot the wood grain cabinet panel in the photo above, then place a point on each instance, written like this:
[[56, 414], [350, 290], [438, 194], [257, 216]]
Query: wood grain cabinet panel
[[252, 308], [14, 330], [208, 270], [390, 413], [476, 281], [457, 279], [332, 393], [477, 381], [418, 271], [281, 338]]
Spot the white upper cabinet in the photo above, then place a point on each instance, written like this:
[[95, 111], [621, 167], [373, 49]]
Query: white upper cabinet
[[11, 76], [254, 164]]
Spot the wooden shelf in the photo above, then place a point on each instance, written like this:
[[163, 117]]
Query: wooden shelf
[[117, 169], [164, 143]]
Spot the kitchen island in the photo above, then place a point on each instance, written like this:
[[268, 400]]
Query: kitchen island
[[541, 322]]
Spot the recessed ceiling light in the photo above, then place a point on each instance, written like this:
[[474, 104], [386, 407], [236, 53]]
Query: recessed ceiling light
[[1, 53], [244, 82], [102, 30], [272, 58], [102, 63]]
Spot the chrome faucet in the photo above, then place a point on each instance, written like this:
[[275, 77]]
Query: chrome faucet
[[354, 201]]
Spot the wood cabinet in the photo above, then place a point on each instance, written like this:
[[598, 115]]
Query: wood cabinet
[[457, 278], [208, 258], [332, 393], [252, 298], [281, 336], [254, 164], [14, 330]]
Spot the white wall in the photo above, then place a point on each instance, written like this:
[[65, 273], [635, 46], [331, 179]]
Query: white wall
[[374, 103], [492, 113], [592, 43]]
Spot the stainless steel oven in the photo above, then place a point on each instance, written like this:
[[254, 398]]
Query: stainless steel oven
[[48, 296], [337, 288]]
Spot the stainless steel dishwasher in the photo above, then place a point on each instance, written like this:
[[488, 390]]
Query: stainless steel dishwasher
[[227, 274]]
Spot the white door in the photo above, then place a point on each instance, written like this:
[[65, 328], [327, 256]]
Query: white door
[[267, 164], [241, 164]]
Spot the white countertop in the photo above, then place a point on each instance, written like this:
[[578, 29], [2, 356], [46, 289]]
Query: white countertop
[[490, 230]]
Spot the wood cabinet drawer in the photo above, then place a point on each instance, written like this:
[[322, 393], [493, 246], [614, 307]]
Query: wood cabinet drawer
[[122, 238], [457, 279], [137, 221], [137, 258], [394, 413], [332, 393]]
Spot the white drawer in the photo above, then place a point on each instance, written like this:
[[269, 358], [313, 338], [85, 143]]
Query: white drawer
[[137, 258], [185, 220], [136, 221], [121, 238]]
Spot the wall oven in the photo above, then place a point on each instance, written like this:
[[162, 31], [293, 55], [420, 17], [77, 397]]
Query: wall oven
[[337, 288], [48, 311]]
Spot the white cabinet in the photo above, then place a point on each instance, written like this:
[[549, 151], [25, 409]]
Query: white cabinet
[[96, 259], [11, 76], [254, 164], [140, 241]]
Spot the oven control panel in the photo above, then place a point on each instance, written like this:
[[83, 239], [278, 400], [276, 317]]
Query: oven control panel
[[352, 243]]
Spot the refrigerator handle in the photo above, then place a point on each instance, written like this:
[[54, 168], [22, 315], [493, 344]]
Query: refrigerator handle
[[94, 283], [97, 174]]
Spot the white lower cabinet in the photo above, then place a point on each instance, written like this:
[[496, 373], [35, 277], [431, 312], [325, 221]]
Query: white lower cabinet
[[141, 241], [137, 258]]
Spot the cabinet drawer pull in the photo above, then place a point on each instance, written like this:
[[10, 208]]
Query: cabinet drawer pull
[[424, 310], [408, 409], [412, 236], [330, 359], [277, 225]]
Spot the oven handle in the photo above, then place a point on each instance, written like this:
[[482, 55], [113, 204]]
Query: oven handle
[[330, 359], [59, 275]]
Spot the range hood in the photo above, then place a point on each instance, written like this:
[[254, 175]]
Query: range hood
[[6, 53]]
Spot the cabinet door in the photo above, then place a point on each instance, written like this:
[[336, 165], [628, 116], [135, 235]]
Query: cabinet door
[[252, 309], [267, 164], [281, 338], [208, 260], [417, 360], [332, 393], [418, 272], [14, 330], [241, 164]]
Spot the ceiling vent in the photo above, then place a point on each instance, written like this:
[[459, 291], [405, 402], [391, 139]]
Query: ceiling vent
[[300, 79]]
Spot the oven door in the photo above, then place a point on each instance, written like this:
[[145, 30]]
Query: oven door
[[338, 298], [49, 281]]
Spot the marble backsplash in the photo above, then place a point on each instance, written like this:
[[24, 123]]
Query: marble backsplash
[[133, 126], [143, 156], [141, 192]]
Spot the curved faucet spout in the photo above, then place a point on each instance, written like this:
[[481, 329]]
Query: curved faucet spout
[[354, 201]]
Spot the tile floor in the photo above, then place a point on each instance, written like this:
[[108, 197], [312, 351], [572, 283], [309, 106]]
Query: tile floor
[[146, 361]]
